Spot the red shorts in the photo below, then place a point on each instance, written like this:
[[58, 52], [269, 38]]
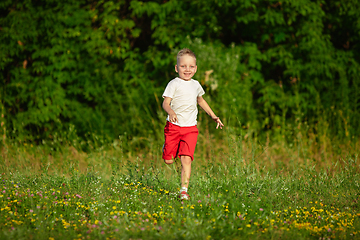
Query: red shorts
[[179, 141]]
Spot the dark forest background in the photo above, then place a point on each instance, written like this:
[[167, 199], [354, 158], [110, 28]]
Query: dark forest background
[[95, 70]]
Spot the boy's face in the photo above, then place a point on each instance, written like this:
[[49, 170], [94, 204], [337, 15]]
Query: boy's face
[[186, 67]]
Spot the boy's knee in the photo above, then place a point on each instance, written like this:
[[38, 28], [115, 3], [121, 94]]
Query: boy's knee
[[186, 160], [169, 161]]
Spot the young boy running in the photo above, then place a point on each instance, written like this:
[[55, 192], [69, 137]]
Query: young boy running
[[181, 97]]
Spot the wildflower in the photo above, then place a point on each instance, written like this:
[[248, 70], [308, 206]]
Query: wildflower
[[77, 195], [261, 209]]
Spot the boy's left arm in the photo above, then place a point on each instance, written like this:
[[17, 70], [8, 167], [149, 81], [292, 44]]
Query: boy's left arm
[[204, 105]]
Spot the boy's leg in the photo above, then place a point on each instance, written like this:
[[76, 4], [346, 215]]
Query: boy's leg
[[186, 153], [185, 170], [169, 161], [170, 147]]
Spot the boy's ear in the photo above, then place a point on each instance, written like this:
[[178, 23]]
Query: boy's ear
[[176, 68]]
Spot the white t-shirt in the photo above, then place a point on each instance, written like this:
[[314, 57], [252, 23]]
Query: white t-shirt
[[184, 100]]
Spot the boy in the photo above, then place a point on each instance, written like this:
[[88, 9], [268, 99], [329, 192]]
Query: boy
[[181, 97]]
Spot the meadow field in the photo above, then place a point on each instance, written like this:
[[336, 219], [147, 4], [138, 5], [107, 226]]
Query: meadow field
[[81, 119], [240, 190]]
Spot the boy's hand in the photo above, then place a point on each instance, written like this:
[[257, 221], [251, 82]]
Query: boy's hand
[[218, 121], [173, 118]]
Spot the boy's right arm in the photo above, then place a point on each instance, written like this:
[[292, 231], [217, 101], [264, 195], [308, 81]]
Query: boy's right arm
[[167, 108]]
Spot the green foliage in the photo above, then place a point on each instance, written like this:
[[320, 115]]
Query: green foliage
[[101, 66]]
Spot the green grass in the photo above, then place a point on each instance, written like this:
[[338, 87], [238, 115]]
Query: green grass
[[247, 191]]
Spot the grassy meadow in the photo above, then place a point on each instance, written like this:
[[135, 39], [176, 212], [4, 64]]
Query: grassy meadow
[[282, 75], [240, 189]]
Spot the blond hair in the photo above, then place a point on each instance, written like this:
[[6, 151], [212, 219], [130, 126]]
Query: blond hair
[[185, 51]]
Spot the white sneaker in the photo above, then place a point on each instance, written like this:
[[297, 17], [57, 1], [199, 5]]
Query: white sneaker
[[184, 196]]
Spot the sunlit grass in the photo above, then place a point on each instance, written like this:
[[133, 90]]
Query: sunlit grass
[[238, 191], [88, 207], [145, 206]]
